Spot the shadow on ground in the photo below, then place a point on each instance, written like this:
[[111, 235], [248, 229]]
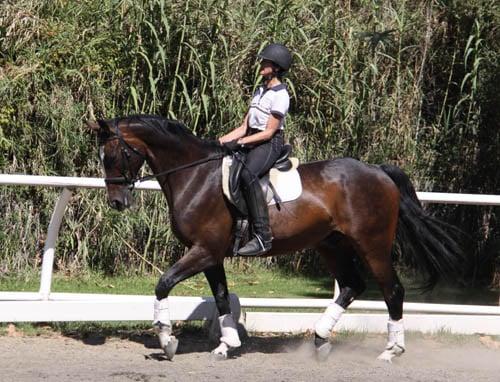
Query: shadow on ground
[[196, 340]]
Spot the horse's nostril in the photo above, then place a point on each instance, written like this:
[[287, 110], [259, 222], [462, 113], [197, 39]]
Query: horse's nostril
[[116, 204]]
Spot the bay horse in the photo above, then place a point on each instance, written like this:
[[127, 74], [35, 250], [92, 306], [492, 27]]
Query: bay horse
[[348, 210]]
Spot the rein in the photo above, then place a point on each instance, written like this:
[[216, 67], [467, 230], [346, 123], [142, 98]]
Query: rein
[[132, 180]]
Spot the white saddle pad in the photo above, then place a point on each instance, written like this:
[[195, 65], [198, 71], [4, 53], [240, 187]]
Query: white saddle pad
[[286, 183]]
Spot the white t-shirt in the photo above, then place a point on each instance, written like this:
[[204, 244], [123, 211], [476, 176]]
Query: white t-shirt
[[266, 102]]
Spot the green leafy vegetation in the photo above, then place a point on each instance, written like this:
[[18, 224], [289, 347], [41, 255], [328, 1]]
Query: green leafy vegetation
[[412, 83]]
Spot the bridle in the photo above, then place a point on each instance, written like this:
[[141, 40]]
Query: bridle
[[127, 150]]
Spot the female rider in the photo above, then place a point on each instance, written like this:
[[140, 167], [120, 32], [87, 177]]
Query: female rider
[[262, 134]]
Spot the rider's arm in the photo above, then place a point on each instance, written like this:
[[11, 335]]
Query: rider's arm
[[236, 133], [273, 124]]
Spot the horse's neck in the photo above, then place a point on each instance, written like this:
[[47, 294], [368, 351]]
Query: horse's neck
[[166, 156]]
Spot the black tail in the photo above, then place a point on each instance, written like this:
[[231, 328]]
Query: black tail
[[423, 242]]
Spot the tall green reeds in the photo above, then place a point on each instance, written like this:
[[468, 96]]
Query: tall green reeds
[[406, 82]]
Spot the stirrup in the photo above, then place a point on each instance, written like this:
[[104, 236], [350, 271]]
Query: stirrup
[[255, 247]]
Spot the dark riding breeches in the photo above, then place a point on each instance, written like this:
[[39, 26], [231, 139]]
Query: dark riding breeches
[[261, 158]]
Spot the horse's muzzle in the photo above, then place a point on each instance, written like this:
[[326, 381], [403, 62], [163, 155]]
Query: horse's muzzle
[[119, 205]]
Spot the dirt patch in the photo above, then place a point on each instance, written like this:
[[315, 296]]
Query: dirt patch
[[261, 358]]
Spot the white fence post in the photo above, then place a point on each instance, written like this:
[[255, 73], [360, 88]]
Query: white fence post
[[50, 243]]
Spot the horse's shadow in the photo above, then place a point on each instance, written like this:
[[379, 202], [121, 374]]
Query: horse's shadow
[[299, 345], [199, 342]]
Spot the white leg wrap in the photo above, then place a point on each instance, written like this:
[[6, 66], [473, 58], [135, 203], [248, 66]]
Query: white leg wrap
[[229, 332], [328, 320], [161, 312], [396, 341], [396, 335], [163, 328]]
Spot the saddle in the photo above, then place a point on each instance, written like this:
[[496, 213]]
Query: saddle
[[269, 182]]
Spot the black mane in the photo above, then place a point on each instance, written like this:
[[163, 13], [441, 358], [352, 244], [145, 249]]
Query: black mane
[[161, 126], [157, 124]]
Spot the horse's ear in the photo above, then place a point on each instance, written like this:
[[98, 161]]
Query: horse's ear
[[99, 127], [93, 126]]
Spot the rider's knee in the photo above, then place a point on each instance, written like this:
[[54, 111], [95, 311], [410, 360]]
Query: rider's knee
[[247, 178]]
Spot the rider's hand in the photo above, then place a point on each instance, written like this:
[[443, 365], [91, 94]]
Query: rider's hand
[[231, 146]]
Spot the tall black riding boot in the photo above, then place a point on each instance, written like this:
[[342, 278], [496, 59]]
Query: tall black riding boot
[[259, 215]]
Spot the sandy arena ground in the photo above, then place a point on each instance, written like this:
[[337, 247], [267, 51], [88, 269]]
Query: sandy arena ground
[[57, 358]]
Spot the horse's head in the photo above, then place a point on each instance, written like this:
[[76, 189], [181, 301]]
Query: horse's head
[[122, 155]]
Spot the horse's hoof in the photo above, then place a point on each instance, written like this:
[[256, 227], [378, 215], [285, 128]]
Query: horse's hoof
[[323, 348], [220, 352], [219, 356], [323, 351], [388, 354], [170, 348]]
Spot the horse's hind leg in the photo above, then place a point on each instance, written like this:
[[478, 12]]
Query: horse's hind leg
[[393, 292], [377, 255], [216, 277], [339, 256]]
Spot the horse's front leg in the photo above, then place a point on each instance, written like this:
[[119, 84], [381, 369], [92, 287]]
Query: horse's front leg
[[229, 339], [196, 260]]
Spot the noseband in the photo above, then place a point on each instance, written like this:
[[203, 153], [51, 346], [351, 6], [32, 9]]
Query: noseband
[[127, 178]]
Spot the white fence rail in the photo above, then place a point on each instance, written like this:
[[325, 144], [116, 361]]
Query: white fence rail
[[75, 182], [47, 306]]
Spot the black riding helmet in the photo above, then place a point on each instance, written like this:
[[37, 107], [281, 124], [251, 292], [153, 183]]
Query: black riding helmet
[[278, 54]]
